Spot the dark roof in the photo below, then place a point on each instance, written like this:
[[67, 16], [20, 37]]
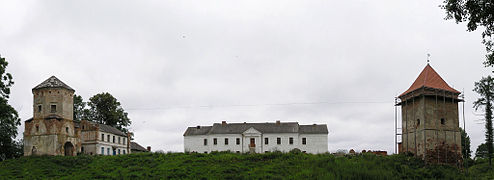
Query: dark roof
[[431, 79], [238, 128], [199, 130], [53, 82], [313, 129], [137, 147], [110, 129]]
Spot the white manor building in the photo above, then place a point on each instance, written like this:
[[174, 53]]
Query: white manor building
[[257, 137]]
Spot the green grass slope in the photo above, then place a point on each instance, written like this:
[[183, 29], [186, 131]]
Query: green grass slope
[[232, 166]]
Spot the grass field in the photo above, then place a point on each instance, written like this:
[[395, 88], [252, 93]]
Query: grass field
[[234, 166]]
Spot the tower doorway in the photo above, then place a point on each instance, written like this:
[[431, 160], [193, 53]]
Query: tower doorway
[[69, 149]]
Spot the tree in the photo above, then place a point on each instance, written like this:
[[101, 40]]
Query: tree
[[465, 145], [476, 13], [105, 109], [79, 106], [485, 88], [482, 151], [9, 119]]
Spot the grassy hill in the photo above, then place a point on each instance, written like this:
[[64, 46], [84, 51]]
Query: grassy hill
[[233, 166]]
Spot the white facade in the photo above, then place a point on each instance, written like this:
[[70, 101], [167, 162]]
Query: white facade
[[98, 139], [253, 140]]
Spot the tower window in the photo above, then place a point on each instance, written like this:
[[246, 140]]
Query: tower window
[[37, 128], [442, 121], [39, 108], [67, 129], [53, 108], [418, 122]]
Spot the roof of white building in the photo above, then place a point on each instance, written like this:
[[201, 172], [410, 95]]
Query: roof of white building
[[239, 128]]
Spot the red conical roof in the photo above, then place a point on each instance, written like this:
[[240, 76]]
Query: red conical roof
[[429, 78]]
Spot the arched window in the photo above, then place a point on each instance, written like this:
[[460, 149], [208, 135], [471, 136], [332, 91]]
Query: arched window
[[443, 121]]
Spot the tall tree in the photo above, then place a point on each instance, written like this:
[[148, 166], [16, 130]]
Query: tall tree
[[465, 145], [79, 106], [476, 13], [485, 88], [105, 109], [9, 119]]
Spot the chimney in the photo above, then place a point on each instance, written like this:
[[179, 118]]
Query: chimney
[[278, 122], [223, 123], [149, 148], [198, 127]]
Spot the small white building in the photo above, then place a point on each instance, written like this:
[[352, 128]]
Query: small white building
[[103, 139], [257, 137]]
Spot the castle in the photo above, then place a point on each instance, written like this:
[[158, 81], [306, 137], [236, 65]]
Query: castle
[[53, 131], [430, 125]]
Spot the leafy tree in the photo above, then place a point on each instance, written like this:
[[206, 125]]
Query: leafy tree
[[465, 145], [485, 88], [105, 109], [482, 151], [79, 106], [476, 13], [9, 119]]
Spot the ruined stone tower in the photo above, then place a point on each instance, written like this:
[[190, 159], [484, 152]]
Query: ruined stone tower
[[51, 131], [430, 126]]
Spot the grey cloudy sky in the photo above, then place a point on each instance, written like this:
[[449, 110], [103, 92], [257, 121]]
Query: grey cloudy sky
[[174, 64]]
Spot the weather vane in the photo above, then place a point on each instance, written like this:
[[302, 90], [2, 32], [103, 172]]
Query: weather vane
[[428, 57]]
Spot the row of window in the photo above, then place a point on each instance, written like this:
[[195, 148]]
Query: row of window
[[108, 139], [115, 151], [253, 140], [443, 121], [53, 108]]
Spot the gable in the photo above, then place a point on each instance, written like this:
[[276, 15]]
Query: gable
[[251, 131]]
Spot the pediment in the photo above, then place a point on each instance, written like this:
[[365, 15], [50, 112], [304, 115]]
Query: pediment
[[251, 130]]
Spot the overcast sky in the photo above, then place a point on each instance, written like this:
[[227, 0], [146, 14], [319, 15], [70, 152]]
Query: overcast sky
[[174, 64]]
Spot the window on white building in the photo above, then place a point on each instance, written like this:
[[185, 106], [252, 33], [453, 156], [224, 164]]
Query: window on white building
[[205, 142], [291, 140], [113, 139], [266, 140], [102, 150], [278, 140], [118, 151], [215, 141], [226, 141], [118, 140], [108, 138], [124, 141], [123, 151], [102, 137], [238, 141], [304, 141], [108, 151]]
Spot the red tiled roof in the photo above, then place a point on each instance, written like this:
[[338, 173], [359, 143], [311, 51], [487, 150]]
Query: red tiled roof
[[429, 78]]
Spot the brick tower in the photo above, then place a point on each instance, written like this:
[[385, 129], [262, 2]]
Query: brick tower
[[51, 131], [430, 125]]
